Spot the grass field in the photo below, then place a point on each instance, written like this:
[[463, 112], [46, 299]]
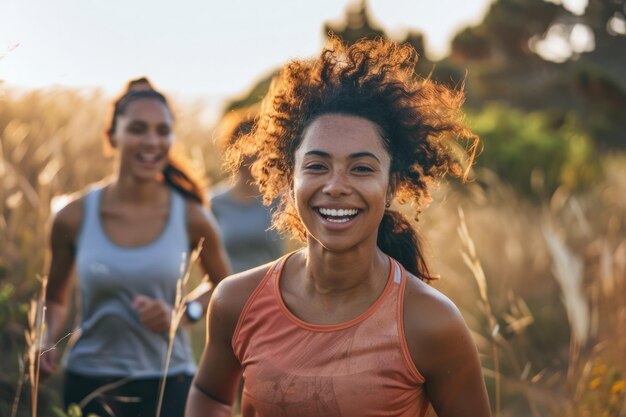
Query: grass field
[[542, 284]]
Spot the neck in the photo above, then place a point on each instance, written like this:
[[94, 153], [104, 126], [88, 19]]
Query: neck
[[332, 272], [134, 191]]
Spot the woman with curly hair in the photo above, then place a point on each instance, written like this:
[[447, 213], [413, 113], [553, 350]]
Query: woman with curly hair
[[347, 326]]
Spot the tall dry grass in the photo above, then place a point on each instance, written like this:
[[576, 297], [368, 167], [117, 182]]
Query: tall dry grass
[[544, 294], [50, 146], [542, 286], [183, 295]]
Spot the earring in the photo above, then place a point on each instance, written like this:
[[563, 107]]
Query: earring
[[388, 204]]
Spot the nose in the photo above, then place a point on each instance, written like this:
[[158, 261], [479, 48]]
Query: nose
[[337, 185], [151, 137]]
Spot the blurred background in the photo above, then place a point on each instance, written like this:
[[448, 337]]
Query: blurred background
[[532, 248]]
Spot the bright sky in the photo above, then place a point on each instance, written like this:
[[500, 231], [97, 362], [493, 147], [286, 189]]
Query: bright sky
[[191, 47], [196, 48]]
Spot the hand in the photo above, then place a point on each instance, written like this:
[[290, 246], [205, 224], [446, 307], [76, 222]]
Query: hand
[[154, 314]]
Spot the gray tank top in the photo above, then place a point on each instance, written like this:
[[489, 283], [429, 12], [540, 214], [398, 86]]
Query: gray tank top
[[112, 341], [245, 229]]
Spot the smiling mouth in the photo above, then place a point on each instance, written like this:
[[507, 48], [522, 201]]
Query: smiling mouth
[[338, 215], [148, 158]]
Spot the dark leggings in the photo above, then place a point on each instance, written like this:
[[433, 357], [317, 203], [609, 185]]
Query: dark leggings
[[133, 398]]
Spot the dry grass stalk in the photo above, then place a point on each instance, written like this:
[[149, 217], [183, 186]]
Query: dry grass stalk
[[20, 385], [34, 340], [473, 263], [103, 389], [70, 334], [519, 316], [178, 312], [568, 271]]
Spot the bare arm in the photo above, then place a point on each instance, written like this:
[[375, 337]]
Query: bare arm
[[444, 352], [203, 226], [62, 237], [214, 387]]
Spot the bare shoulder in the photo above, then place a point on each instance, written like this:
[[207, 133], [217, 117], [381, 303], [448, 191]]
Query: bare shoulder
[[67, 221], [197, 214], [201, 223], [68, 208], [232, 293], [237, 288], [432, 324], [425, 300]]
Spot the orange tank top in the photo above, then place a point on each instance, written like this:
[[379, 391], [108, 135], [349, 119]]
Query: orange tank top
[[357, 368]]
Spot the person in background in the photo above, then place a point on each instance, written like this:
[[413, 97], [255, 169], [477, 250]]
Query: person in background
[[129, 238], [348, 326], [237, 204], [245, 223]]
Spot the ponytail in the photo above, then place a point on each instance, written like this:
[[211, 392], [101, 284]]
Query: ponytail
[[398, 239], [182, 180]]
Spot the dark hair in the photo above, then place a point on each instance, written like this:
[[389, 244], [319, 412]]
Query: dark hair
[[419, 120], [136, 84], [174, 173]]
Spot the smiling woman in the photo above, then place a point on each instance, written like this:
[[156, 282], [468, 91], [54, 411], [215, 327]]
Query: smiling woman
[[346, 326], [127, 238]]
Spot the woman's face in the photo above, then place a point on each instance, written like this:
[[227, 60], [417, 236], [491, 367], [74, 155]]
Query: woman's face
[[341, 181], [143, 136]]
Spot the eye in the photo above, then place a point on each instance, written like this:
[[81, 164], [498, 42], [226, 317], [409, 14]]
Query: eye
[[164, 130], [315, 166], [361, 169]]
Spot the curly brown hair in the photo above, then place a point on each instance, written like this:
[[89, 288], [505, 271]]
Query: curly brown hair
[[420, 123]]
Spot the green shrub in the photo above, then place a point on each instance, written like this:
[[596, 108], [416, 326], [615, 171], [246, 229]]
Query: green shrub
[[527, 151]]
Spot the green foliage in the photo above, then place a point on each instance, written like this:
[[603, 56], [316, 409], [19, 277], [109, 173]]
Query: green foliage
[[9, 308], [72, 411], [531, 154]]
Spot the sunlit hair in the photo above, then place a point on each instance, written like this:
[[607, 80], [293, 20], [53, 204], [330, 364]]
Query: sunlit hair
[[419, 120], [234, 124], [177, 172]]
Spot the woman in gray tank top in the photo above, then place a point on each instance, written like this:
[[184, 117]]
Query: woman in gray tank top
[[129, 239], [245, 222]]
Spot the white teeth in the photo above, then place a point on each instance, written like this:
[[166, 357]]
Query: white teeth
[[338, 212], [148, 158], [339, 220]]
